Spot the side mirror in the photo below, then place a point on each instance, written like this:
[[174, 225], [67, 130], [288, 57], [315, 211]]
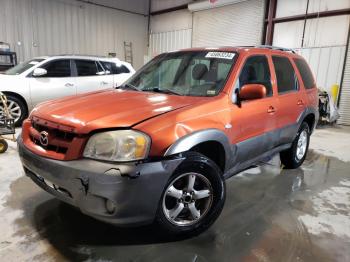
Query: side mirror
[[39, 71], [252, 91]]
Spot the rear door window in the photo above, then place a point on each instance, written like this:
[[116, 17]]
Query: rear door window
[[287, 80], [100, 69], [87, 68], [57, 68], [305, 72]]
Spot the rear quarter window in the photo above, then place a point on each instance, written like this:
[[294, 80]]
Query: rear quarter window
[[122, 69], [305, 72]]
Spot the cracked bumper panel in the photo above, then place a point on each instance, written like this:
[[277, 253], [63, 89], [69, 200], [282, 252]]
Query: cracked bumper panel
[[134, 189]]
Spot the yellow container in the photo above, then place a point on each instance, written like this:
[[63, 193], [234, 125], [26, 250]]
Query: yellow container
[[334, 92]]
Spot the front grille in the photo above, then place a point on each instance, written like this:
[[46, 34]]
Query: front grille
[[57, 149], [58, 140], [66, 136]]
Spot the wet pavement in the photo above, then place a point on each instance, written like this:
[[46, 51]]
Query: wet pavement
[[270, 215]]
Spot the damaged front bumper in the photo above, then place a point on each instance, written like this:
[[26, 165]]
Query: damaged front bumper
[[123, 193]]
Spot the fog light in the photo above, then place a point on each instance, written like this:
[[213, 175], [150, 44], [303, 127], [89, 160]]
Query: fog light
[[113, 172], [110, 206]]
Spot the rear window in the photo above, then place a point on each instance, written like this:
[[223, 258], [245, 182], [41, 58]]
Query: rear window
[[305, 73], [287, 80]]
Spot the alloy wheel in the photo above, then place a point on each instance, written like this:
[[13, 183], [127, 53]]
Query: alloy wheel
[[302, 145], [187, 199], [13, 108]]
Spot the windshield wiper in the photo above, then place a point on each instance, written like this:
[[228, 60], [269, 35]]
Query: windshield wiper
[[165, 91], [129, 86]]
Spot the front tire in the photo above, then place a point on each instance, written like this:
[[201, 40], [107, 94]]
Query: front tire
[[193, 198], [17, 109], [295, 156]]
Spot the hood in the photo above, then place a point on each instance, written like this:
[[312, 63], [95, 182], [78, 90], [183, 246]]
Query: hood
[[4, 77], [8, 82], [109, 108]]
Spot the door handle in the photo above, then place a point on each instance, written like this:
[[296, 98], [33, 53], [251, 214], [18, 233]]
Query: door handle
[[104, 83], [300, 102], [69, 85], [271, 110]]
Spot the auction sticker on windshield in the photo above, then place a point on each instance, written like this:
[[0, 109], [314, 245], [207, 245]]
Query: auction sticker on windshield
[[223, 55]]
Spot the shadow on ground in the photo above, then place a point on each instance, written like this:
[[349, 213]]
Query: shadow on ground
[[259, 222]]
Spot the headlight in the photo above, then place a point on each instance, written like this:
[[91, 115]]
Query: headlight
[[120, 145]]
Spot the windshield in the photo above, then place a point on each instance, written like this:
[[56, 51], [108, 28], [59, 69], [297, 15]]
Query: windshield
[[20, 68], [194, 73]]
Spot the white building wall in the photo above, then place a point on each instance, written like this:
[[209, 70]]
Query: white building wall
[[169, 41], [324, 43], [51, 27], [240, 23], [157, 5], [327, 5], [137, 6], [327, 31], [237, 23], [288, 34], [290, 7], [324, 47], [325, 38], [298, 7], [171, 21], [170, 31], [344, 103]]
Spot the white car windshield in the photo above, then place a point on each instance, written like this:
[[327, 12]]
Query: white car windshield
[[20, 68], [186, 73]]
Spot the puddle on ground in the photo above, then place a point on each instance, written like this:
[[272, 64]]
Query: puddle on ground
[[270, 215]]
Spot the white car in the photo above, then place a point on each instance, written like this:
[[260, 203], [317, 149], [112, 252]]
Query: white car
[[46, 78]]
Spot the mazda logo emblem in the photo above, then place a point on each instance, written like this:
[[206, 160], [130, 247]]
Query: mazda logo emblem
[[44, 138]]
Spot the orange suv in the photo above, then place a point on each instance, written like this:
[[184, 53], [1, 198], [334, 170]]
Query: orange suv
[[160, 147]]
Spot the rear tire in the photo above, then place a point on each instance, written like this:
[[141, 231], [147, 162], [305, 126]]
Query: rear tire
[[296, 154], [3, 146], [199, 205], [18, 109]]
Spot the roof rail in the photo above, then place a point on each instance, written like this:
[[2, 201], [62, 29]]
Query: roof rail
[[81, 55], [276, 48]]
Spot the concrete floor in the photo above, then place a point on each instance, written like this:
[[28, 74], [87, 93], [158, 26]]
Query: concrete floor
[[269, 215]]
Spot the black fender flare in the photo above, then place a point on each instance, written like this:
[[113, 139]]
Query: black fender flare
[[305, 113], [188, 141]]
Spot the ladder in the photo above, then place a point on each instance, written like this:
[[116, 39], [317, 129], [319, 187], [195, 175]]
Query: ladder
[[128, 52]]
